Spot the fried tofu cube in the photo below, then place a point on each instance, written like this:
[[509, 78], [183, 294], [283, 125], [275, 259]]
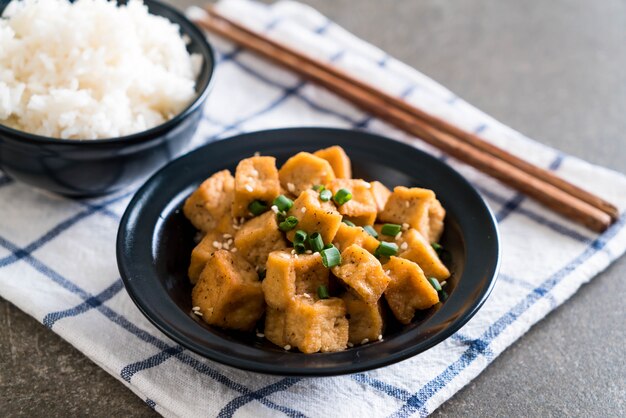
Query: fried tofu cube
[[210, 203], [338, 160], [317, 326], [413, 246], [409, 290], [314, 216], [303, 171], [256, 178], [362, 273], [229, 292], [348, 235], [288, 276], [361, 209], [365, 319], [381, 194], [258, 237], [275, 321], [202, 252], [415, 206]]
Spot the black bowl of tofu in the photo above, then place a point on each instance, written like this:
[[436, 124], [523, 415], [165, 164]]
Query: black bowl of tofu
[[227, 281]]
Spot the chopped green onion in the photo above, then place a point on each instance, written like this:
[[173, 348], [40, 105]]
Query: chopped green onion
[[300, 236], [283, 203], [288, 224], [387, 249], [318, 187], [280, 216], [331, 257], [262, 274], [347, 222], [322, 292], [325, 195], [329, 245], [435, 283], [257, 207], [391, 229], [437, 247], [342, 196], [371, 231], [299, 247], [443, 295], [315, 242]]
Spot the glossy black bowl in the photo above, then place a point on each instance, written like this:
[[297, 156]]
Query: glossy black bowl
[[155, 240], [93, 167]]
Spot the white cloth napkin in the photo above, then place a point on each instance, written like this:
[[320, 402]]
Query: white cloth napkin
[[57, 258]]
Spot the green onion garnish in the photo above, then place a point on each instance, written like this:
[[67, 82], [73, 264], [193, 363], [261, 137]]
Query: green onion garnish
[[331, 257], [443, 295], [387, 249], [437, 247], [257, 207], [347, 222], [322, 292], [318, 187], [391, 229], [342, 196], [300, 236], [329, 245], [315, 242], [371, 231], [435, 283], [262, 273], [325, 195], [283, 203], [288, 224], [299, 247]]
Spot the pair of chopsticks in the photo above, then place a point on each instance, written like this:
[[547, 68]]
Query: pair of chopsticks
[[536, 182]]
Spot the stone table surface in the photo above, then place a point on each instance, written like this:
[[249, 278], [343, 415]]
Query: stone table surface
[[553, 70]]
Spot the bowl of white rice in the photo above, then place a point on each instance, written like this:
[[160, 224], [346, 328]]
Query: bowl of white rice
[[97, 94]]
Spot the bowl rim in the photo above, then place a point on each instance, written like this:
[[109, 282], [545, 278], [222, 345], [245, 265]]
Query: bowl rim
[[208, 54], [139, 199]]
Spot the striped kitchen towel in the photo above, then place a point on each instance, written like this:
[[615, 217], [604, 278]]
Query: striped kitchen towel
[[57, 255]]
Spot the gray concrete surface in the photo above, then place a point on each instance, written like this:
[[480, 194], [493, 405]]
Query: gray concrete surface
[[553, 70]]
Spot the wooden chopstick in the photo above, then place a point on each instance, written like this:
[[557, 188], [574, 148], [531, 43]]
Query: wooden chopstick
[[387, 108]]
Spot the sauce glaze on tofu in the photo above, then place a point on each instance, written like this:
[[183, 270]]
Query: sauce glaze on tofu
[[310, 258]]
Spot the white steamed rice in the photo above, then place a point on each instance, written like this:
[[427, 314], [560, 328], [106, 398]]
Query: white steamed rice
[[91, 69]]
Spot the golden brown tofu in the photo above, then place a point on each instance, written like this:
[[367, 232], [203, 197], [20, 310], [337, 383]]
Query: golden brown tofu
[[210, 243], [366, 320], [338, 160], [256, 178], [348, 235], [275, 326], [314, 216], [229, 292], [415, 206], [381, 194], [317, 326], [362, 273], [210, 203], [413, 246], [258, 237], [303, 171], [408, 290], [361, 209], [288, 276]]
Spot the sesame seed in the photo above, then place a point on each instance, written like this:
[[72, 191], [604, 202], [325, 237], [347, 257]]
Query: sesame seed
[[399, 235], [308, 252], [388, 272], [404, 246], [367, 185], [407, 203], [249, 188], [405, 226], [226, 236], [295, 255], [230, 241], [198, 313], [365, 341], [287, 347], [226, 246], [303, 210], [274, 208], [293, 252], [233, 250], [380, 337], [254, 172], [217, 245], [236, 227], [195, 308], [260, 334], [350, 345], [442, 284], [291, 187], [306, 295], [257, 154]]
